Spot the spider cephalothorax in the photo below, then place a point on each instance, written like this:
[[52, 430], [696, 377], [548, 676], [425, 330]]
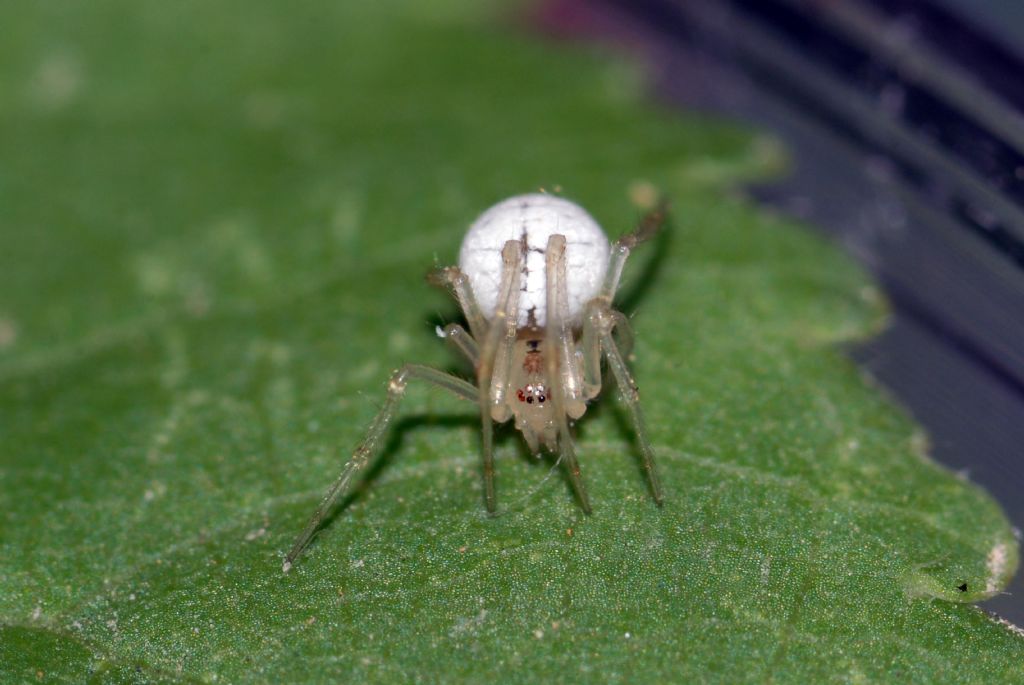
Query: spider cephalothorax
[[535, 280], [530, 404]]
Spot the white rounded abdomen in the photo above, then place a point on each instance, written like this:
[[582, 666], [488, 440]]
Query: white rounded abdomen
[[534, 218]]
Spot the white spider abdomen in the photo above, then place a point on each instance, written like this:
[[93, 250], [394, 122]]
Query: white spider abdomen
[[533, 219]]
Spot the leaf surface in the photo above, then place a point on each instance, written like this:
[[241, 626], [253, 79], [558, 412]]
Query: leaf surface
[[215, 234]]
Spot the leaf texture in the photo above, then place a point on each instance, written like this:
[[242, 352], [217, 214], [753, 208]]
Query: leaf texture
[[216, 221]]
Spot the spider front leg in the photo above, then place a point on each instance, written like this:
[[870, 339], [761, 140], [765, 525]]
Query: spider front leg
[[599, 321], [452, 277], [371, 444], [565, 390], [649, 226], [495, 359], [462, 342]]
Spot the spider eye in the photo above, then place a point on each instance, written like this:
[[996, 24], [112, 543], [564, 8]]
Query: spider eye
[[541, 398], [529, 400]]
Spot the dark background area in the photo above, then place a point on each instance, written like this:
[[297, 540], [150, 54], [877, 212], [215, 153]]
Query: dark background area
[[905, 123], [1003, 19]]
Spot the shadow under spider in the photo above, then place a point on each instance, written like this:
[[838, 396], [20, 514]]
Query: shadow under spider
[[502, 434]]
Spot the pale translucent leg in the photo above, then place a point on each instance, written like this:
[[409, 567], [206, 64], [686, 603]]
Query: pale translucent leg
[[599, 319], [499, 409], [371, 444], [596, 317], [459, 339], [496, 346], [590, 342], [559, 332], [598, 323], [600, 308], [623, 331], [631, 395], [560, 351], [452, 277], [599, 312], [648, 227]]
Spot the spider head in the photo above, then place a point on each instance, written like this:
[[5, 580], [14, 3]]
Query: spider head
[[534, 412], [530, 392]]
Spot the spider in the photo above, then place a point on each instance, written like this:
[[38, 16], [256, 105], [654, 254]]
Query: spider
[[535, 281]]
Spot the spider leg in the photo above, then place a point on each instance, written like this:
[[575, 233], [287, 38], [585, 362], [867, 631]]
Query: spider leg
[[372, 442], [601, 306], [622, 331], [599, 320], [648, 227], [495, 357], [463, 343], [560, 359], [607, 319], [561, 344], [590, 343], [453, 278], [596, 317]]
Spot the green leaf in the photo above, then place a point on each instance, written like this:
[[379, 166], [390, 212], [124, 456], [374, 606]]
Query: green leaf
[[216, 221]]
